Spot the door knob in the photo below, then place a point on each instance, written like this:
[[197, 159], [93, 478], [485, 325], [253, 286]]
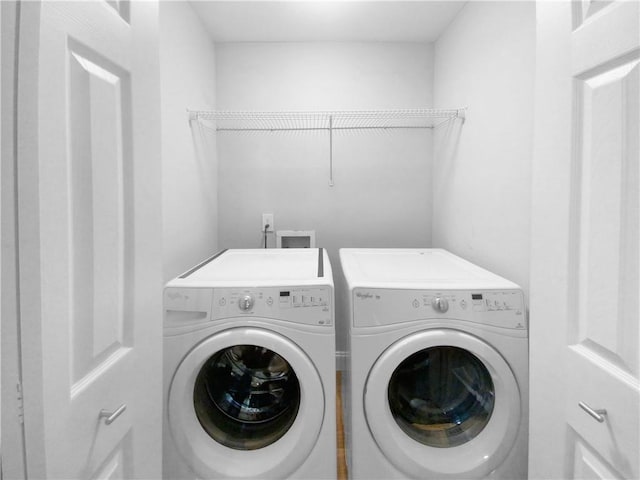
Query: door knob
[[598, 414], [110, 417], [440, 304]]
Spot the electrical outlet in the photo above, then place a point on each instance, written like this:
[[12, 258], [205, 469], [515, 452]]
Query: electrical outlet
[[267, 219]]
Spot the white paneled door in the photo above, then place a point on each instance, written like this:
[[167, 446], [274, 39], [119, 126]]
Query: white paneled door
[[585, 314], [89, 228]]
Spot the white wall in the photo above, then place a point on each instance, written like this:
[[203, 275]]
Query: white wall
[[485, 61], [323, 76], [189, 189], [382, 195]]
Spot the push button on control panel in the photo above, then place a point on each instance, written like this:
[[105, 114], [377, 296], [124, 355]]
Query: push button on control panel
[[302, 297]]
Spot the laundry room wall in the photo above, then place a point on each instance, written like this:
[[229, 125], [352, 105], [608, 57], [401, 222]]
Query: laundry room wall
[[382, 193], [189, 160], [485, 61]]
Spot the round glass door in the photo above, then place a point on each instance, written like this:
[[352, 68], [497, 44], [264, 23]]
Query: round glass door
[[245, 402], [246, 396], [442, 403], [441, 396]]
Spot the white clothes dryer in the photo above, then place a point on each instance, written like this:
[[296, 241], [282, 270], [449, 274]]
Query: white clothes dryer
[[437, 368], [249, 367]]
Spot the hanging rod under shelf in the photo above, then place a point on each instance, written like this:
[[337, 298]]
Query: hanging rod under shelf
[[326, 120]]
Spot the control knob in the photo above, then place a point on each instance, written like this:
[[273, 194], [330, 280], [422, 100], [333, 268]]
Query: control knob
[[440, 304], [245, 303]]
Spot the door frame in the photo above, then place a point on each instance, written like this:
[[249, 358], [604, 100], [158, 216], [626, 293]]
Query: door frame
[[13, 461]]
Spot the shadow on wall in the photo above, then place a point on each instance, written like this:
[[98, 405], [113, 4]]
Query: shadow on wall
[[204, 145], [446, 143]]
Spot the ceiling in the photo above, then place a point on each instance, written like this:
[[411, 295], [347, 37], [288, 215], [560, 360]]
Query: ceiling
[[322, 21]]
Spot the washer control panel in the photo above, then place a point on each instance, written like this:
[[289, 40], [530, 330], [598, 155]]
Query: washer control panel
[[500, 308], [308, 305]]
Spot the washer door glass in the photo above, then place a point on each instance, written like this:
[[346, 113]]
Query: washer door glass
[[246, 397], [441, 396]]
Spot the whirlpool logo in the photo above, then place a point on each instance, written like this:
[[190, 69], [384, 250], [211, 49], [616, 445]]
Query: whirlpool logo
[[175, 295], [367, 296]]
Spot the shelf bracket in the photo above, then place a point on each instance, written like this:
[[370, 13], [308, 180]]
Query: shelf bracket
[[462, 114]]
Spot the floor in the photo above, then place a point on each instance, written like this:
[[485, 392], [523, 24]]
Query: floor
[[342, 461]]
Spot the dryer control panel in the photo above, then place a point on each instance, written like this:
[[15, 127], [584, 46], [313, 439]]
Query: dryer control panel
[[499, 308]]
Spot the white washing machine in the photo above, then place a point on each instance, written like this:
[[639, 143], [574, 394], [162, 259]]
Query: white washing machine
[[437, 372], [249, 367]]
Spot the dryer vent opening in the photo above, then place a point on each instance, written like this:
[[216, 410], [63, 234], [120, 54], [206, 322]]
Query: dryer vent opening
[[441, 396], [246, 397]]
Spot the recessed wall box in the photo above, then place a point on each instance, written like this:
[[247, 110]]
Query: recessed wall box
[[296, 239]]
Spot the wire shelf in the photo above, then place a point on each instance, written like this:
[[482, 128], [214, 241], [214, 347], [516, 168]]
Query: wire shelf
[[327, 120]]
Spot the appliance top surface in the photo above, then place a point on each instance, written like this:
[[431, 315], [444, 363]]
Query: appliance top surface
[[261, 267], [415, 268]]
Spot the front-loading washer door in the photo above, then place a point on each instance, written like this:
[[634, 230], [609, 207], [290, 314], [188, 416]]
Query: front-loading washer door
[[245, 402], [443, 403]]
